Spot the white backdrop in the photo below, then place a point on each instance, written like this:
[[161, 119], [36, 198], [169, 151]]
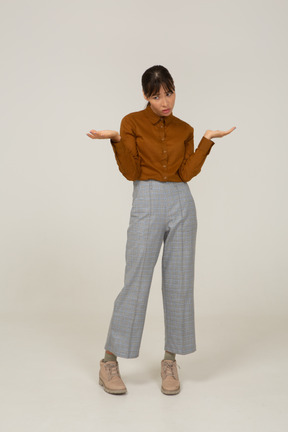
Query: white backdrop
[[70, 66]]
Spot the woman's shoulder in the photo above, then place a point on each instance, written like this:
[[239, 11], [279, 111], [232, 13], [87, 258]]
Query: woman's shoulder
[[183, 124], [134, 115], [132, 120]]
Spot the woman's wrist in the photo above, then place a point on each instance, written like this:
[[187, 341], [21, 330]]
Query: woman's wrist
[[208, 135], [116, 138]]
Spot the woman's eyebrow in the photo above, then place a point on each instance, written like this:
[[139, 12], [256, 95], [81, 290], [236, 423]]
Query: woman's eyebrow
[[158, 94]]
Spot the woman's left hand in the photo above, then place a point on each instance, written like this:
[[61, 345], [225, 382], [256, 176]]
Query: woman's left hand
[[209, 134]]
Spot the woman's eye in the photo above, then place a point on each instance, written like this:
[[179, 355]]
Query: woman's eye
[[169, 94]]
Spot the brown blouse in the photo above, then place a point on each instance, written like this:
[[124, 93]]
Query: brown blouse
[[159, 148]]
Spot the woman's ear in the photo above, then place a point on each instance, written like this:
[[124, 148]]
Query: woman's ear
[[145, 97]]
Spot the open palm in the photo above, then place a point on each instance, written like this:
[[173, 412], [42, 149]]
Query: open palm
[[103, 134], [219, 134]]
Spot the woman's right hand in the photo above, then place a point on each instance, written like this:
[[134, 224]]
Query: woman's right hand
[[104, 134]]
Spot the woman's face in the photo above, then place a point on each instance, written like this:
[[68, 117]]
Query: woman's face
[[162, 103]]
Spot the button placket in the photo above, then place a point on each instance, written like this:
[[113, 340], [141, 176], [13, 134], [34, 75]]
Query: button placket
[[164, 160]]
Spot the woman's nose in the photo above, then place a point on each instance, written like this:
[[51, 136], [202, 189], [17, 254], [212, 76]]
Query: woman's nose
[[164, 102]]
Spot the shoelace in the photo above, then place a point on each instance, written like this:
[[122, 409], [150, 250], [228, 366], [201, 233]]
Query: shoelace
[[113, 370], [169, 369]]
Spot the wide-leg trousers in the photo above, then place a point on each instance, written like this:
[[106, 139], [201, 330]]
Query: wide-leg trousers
[[161, 212]]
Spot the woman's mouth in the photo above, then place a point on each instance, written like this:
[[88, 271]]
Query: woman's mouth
[[166, 111]]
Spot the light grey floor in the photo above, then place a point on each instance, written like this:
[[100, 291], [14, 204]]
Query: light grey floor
[[235, 381]]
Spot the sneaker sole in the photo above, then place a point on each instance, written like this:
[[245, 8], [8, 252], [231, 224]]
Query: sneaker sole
[[170, 392], [110, 390]]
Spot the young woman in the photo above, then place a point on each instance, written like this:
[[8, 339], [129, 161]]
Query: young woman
[[155, 150]]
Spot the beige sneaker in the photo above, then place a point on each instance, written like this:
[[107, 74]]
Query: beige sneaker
[[110, 378], [170, 379]]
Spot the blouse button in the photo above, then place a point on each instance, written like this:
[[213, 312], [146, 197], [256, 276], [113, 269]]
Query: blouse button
[[164, 151], [165, 177], [164, 166]]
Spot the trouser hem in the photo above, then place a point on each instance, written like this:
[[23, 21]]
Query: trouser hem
[[180, 352], [121, 354]]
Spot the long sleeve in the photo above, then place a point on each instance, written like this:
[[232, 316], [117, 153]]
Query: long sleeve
[[193, 160], [126, 153]]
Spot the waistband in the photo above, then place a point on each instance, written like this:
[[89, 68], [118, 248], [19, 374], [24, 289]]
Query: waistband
[[157, 184]]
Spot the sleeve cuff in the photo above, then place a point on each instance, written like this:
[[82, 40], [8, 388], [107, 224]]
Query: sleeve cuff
[[114, 142], [205, 145]]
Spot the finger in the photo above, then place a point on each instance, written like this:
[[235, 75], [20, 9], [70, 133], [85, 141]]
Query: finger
[[226, 132], [96, 134], [230, 130]]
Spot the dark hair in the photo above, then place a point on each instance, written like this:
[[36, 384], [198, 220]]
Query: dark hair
[[153, 78]]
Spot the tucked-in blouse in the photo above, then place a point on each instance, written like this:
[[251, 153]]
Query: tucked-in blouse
[[159, 148]]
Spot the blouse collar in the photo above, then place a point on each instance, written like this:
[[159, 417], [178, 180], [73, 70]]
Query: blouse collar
[[154, 118]]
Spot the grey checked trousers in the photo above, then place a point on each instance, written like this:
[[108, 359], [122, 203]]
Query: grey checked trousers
[[161, 212]]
